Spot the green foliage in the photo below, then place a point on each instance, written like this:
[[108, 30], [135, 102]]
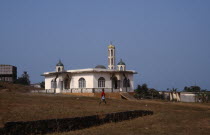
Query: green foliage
[[141, 91], [172, 90], [144, 92], [42, 84], [192, 89], [154, 93], [24, 79]]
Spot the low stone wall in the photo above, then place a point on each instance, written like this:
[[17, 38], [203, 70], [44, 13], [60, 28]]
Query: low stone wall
[[68, 124]]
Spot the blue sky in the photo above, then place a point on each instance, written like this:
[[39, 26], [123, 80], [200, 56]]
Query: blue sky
[[166, 41]]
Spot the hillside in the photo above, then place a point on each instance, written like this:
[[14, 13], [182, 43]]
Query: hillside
[[168, 118], [10, 87]]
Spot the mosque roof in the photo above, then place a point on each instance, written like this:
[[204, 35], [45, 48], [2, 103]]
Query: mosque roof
[[121, 62], [100, 66], [59, 63], [91, 70]]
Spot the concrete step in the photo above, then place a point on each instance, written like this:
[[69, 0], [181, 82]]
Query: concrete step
[[127, 96]]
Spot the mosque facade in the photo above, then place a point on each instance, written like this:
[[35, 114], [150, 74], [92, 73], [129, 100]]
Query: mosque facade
[[114, 79]]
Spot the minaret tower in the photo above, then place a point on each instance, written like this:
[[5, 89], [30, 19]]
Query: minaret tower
[[111, 56]]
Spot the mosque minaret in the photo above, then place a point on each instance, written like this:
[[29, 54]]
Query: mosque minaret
[[111, 56]]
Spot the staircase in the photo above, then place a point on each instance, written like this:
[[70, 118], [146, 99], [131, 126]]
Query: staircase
[[127, 96]]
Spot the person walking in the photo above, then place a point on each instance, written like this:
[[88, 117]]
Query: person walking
[[103, 99]]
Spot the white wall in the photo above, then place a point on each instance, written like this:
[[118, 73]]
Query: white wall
[[75, 80], [185, 97], [106, 76], [48, 80]]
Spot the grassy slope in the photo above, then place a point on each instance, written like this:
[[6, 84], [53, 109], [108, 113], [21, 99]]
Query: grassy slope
[[169, 117], [25, 107], [10, 87]]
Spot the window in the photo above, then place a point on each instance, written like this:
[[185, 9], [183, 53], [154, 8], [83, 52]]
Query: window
[[126, 83], [111, 52], [67, 83], [52, 84], [61, 85], [101, 82], [82, 83], [59, 69], [121, 68]]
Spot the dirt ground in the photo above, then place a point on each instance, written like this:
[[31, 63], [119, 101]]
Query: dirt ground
[[168, 118]]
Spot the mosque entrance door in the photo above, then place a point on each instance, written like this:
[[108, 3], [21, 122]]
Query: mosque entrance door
[[114, 83], [67, 83]]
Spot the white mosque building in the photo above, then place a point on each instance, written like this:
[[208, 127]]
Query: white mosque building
[[91, 80]]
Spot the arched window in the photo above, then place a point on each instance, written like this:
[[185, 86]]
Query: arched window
[[61, 82], [101, 82], [111, 52], [121, 68], [82, 83], [59, 69], [126, 83], [67, 83]]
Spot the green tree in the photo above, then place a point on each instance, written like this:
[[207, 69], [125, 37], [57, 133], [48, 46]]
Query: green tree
[[42, 84], [192, 89], [24, 79], [153, 93], [174, 90], [143, 91], [138, 92]]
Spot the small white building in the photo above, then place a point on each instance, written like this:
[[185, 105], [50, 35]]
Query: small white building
[[91, 80], [36, 85], [181, 96]]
